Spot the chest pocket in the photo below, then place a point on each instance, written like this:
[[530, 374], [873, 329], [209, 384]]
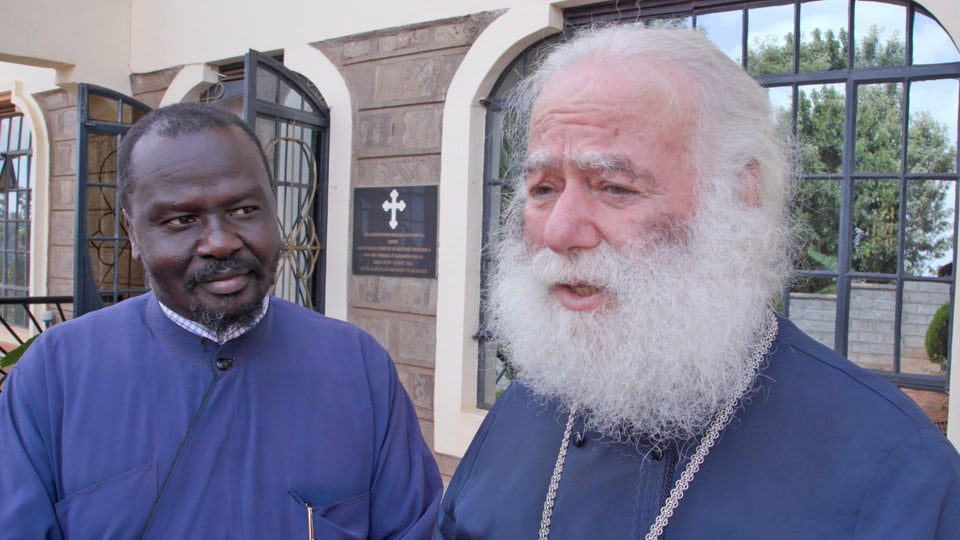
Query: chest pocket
[[348, 519], [115, 508]]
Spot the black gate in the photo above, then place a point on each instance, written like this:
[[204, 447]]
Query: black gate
[[105, 271], [292, 121]]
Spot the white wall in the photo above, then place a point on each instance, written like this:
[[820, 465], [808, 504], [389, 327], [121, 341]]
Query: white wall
[[87, 41], [176, 32]]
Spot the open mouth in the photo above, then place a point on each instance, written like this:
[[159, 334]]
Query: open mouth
[[582, 289]]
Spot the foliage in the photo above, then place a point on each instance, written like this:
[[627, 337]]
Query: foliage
[[878, 149], [935, 340], [11, 357]]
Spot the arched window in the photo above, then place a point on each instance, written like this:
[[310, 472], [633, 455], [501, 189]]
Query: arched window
[[16, 158], [869, 92], [292, 120]]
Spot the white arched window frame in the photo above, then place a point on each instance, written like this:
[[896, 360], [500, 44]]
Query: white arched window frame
[[39, 182]]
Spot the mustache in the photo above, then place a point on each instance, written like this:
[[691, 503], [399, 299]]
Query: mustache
[[234, 264]]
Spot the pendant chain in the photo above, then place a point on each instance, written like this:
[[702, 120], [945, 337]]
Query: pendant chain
[[693, 466]]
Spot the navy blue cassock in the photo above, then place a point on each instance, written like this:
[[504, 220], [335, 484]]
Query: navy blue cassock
[[822, 449], [121, 424]]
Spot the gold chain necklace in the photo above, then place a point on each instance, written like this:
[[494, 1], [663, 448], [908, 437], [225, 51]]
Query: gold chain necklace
[[693, 466]]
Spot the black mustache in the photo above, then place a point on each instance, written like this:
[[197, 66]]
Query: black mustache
[[206, 272]]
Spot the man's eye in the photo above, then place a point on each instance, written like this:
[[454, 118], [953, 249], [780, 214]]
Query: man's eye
[[182, 220], [243, 210], [541, 189], [614, 189]]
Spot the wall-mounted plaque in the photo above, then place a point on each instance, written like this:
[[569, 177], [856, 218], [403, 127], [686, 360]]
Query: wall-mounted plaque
[[395, 231]]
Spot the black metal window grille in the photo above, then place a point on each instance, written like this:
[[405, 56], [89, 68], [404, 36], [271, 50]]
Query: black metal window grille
[[869, 93], [16, 156], [292, 121], [105, 271]]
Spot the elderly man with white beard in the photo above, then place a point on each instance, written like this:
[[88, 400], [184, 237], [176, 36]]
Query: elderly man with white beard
[[657, 393]]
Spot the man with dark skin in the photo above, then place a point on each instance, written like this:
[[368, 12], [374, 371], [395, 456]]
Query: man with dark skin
[[208, 408], [203, 227]]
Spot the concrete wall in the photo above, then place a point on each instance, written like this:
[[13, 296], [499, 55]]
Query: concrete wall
[[872, 322]]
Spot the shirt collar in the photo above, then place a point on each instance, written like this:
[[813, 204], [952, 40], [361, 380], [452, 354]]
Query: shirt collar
[[198, 329]]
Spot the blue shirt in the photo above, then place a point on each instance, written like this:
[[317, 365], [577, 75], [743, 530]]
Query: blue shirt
[[823, 449], [121, 420]]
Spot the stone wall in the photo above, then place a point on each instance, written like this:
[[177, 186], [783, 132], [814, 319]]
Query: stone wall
[[398, 79], [60, 110], [873, 322], [149, 88]]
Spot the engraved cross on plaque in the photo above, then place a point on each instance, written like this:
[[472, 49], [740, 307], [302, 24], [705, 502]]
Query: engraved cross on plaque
[[393, 206]]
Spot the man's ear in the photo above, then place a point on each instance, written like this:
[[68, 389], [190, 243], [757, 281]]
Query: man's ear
[[132, 233], [750, 182]]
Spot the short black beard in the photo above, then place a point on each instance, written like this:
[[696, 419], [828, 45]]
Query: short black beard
[[219, 321]]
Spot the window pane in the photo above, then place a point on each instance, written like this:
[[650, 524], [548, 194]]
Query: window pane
[[823, 35], [23, 237], [101, 108], [770, 40], [289, 97], [816, 211], [487, 373], [10, 236], [879, 127], [725, 29], [930, 224], [20, 276], [10, 266], [4, 133], [879, 30], [931, 45], [15, 132], [24, 205], [25, 136], [669, 22], [932, 128], [102, 158], [820, 128], [813, 308], [100, 211], [23, 172], [12, 206], [924, 327], [497, 152], [875, 225], [266, 85], [781, 107], [873, 307]]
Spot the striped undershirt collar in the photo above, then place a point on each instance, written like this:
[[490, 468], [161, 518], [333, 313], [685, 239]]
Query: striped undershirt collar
[[198, 329]]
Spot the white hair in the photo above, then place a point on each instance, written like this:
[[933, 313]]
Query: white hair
[[689, 303], [735, 129]]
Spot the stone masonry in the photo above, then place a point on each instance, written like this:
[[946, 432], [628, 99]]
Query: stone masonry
[[60, 110], [398, 79]]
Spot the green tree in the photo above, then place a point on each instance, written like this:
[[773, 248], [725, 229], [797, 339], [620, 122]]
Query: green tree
[[878, 149]]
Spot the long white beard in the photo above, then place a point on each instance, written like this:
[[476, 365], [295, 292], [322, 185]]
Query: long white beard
[[673, 346]]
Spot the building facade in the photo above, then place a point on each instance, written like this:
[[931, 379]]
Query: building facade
[[404, 96]]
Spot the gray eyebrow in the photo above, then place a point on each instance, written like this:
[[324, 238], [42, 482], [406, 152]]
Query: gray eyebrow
[[588, 160]]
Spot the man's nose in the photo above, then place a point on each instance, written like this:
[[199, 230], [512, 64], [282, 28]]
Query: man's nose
[[572, 221], [219, 240]]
